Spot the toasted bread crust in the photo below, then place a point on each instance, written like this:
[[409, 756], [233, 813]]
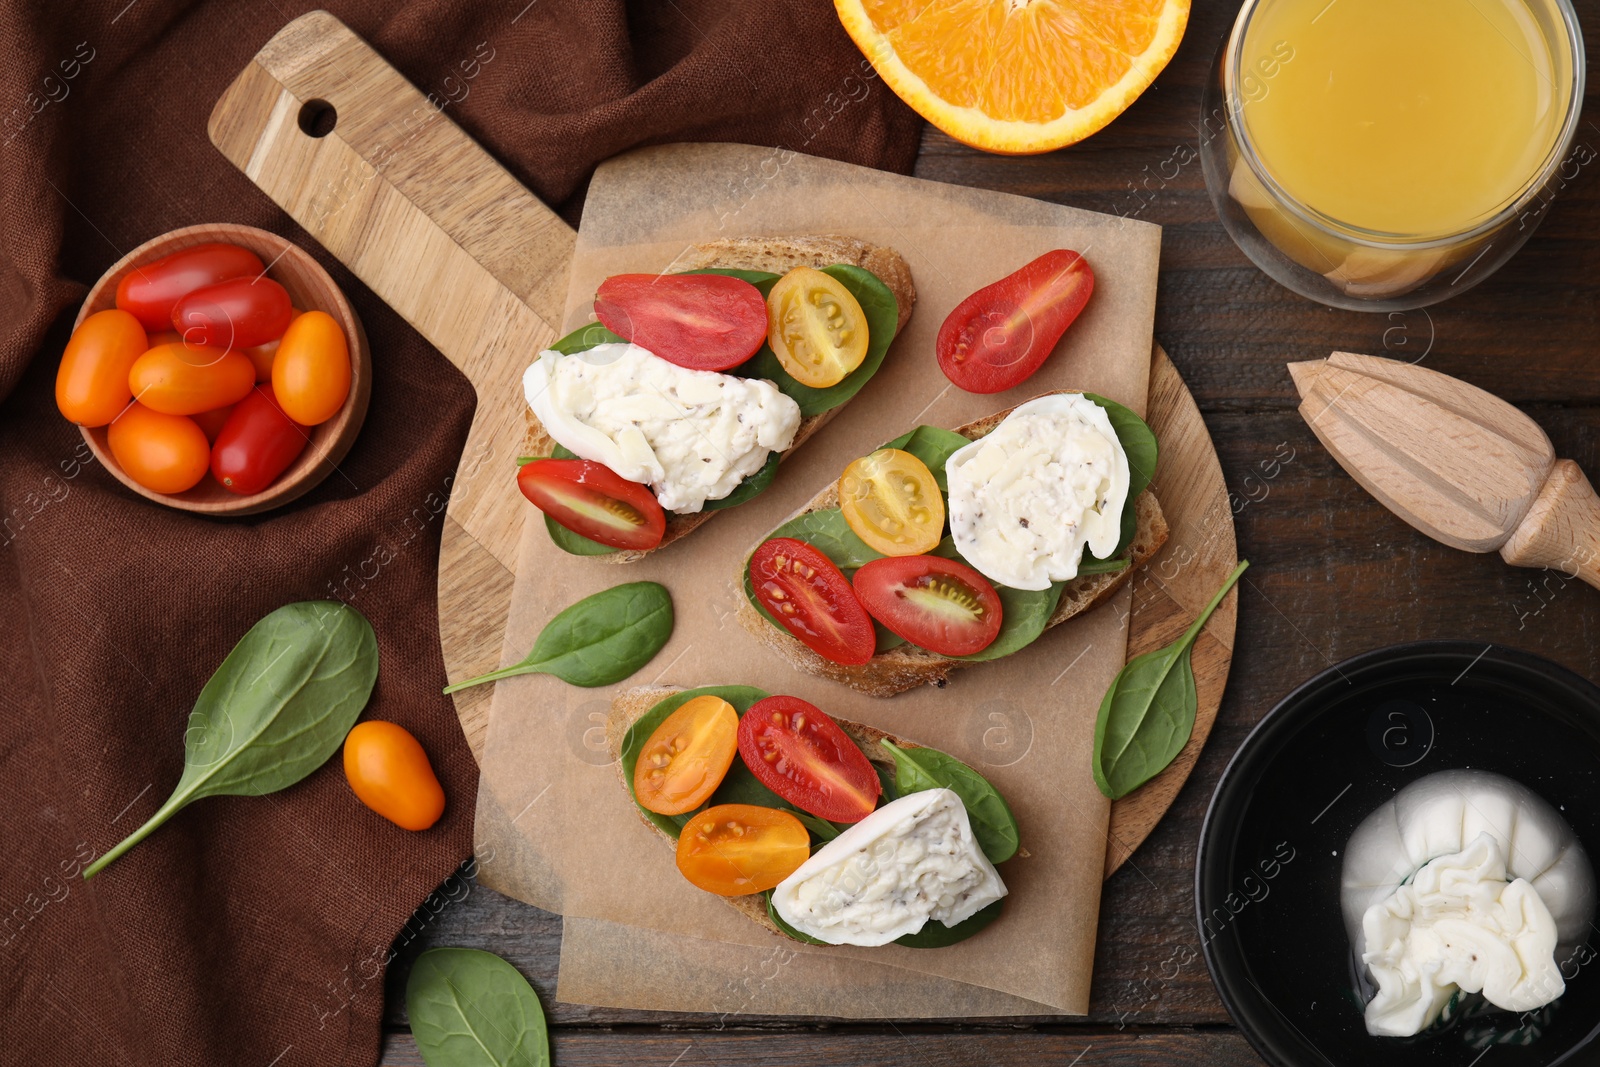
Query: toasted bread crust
[[776, 255], [907, 667], [633, 704]]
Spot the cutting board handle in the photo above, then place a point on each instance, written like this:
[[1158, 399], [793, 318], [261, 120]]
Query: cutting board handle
[[1562, 529]]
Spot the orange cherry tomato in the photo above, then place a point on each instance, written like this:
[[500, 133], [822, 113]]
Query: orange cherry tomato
[[164, 453], [686, 757], [92, 384], [211, 422], [183, 379], [734, 849], [163, 337], [263, 355], [311, 371], [389, 773]]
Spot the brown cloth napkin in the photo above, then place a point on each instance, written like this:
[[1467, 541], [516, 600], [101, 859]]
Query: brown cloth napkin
[[254, 931]]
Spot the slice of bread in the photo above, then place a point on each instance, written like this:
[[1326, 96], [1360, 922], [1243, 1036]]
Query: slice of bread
[[907, 666], [633, 704], [775, 255]]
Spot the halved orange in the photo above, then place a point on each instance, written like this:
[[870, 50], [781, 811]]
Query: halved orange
[[1017, 76]]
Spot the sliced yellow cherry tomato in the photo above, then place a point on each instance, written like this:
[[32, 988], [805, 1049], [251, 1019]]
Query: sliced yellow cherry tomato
[[685, 759], [815, 327], [891, 501], [735, 849]]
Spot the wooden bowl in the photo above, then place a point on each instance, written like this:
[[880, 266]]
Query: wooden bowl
[[310, 288]]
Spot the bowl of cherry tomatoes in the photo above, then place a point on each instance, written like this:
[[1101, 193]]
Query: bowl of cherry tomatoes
[[217, 369]]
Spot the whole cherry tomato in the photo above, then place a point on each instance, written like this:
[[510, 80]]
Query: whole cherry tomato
[[164, 453], [182, 379], [802, 589], [257, 444], [311, 370], [1001, 334], [150, 291], [389, 773], [92, 383], [237, 313], [211, 422]]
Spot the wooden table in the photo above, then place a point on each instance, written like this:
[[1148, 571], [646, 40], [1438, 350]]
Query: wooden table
[[1333, 575]]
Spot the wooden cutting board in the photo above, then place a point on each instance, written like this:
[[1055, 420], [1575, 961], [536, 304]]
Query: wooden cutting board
[[418, 211]]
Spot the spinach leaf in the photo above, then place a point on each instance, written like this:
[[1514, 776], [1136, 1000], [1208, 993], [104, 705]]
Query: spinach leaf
[[572, 542], [740, 786], [887, 638], [1139, 443], [827, 532], [278, 706], [883, 314], [601, 639], [820, 828], [1148, 712], [761, 279], [470, 1008], [933, 445], [993, 824], [742, 697], [1024, 615], [935, 934], [586, 337], [751, 487]]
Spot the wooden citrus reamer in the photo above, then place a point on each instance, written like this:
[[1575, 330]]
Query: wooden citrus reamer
[[1458, 463]]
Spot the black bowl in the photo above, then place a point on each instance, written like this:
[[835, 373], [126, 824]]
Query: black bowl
[[1267, 873]]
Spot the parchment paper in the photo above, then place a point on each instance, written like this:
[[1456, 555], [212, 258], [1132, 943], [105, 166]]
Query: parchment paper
[[553, 812]]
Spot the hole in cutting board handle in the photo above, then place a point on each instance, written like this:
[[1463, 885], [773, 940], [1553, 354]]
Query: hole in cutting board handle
[[317, 118]]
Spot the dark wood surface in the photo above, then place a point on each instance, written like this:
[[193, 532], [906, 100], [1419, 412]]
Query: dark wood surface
[[1333, 575]]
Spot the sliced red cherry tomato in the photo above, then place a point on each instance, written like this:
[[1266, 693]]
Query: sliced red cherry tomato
[[734, 849], [237, 313], [257, 443], [804, 757], [807, 594], [997, 337], [150, 291], [591, 499], [699, 321], [935, 603]]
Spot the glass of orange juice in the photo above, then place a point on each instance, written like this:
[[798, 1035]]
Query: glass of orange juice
[[1388, 154]]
